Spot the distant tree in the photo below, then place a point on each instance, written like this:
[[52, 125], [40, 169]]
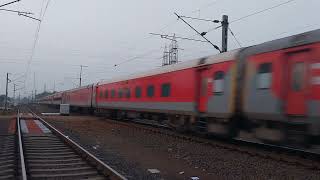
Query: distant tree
[[2, 99]]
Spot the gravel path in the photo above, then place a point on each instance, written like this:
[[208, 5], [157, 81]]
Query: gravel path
[[132, 152]]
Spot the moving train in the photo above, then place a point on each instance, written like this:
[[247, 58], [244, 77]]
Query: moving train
[[271, 90]]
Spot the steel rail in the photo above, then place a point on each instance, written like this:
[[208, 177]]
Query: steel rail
[[106, 170], [23, 166]]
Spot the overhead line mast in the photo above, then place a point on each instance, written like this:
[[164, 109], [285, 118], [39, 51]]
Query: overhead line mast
[[225, 27], [201, 34], [80, 78]]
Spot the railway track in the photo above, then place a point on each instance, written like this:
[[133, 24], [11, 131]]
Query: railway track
[[8, 160], [39, 151]]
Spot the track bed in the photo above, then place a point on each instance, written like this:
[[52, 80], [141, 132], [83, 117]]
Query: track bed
[[135, 147]]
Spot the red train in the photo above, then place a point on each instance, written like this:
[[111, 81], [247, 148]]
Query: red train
[[271, 89]]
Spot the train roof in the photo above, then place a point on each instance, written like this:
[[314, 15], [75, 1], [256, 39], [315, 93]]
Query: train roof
[[284, 43], [79, 88], [222, 57]]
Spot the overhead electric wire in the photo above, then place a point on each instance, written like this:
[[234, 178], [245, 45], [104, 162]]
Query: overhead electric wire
[[215, 46], [201, 19], [15, 11], [22, 14], [9, 3], [235, 38], [255, 13], [261, 11], [137, 57], [35, 40], [177, 37]]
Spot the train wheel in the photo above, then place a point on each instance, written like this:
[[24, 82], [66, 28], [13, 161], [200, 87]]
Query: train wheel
[[297, 139], [179, 122], [233, 129]]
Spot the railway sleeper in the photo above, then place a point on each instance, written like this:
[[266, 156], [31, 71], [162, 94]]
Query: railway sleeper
[[40, 153], [61, 170], [7, 171], [48, 150], [69, 176], [6, 162], [50, 165], [52, 157], [3, 158], [54, 161], [6, 177], [49, 146]]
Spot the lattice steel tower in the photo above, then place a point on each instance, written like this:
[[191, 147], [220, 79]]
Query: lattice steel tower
[[171, 56]]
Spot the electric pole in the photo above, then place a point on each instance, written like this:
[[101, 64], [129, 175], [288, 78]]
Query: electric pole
[[34, 85], [81, 66], [225, 27], [6, 99], [14, 94]]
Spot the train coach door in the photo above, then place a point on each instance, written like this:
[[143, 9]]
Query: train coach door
[[297, 84], [203, 90]]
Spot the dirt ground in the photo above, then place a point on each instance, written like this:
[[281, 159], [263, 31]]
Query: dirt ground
[[132, 152]]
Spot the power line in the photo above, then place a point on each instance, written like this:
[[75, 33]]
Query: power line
[[261, 11], [15, 11], [255, 13], [35, 40], [45, 10], [235, 38], [9, 3], [201, 34], [169, 36], [22, 14], [137, 57], [201, 19]]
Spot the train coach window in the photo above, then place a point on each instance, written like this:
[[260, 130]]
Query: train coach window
[[165, 90], [113, 93], [106, 94], [138, 92], [120, 93], [264, 76], [150, 91], [218, 83], [101, 94], [127, 92]]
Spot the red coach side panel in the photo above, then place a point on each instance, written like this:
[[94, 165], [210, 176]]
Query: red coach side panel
[[286, 80], [173, 92], [80, 97]]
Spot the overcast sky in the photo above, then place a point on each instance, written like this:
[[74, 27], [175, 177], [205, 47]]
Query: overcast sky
[[101, 33]]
